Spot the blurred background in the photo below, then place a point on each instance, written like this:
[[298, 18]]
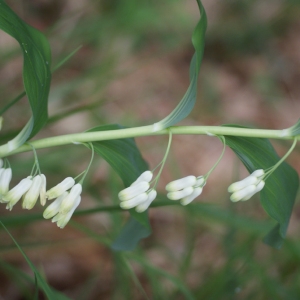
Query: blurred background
[[132, 69]]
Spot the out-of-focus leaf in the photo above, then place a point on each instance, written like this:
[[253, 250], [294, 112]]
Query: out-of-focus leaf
[[36, 67], [126, 159], [278, 195], [187, 103]]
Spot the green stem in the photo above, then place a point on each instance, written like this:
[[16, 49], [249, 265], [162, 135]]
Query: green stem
[[147, 131], [272, 169], [219, 159], [164, 160]]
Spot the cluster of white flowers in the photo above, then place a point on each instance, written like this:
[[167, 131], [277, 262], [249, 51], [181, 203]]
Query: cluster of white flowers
[[185, 189], [246, 188], [32, 188], [139, 194]]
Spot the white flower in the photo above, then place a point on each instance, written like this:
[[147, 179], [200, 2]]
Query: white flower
[[30, 198], [68, 202], [144, 205], [139, 194], [54, 207], [15, 194], [43, 197], [5, 178], [62, 219], [60, 188], [145, 176], [246, 188], [185, 189], [133, 191]]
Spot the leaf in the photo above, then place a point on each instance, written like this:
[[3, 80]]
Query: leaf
[[36, 66], [126, 159], [122, 154], [278, 195], [130, 235], [51, 294], [187, 103]]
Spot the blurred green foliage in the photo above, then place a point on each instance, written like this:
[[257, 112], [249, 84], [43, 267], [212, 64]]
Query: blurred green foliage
[[203, 251]]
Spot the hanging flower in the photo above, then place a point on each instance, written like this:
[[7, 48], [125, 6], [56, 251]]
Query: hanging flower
[[5, 178], [15, 194], [30, 198], [68, 202], [185, 189], [60, 188], [246, 188], [139, 194]]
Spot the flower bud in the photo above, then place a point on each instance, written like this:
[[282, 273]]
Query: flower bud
[[133, 191], [180, 194], [68, 201], [43, 190], [15, 194], [144, 206], [30, 198], [188, 199], [180, 184], [134, 201], [239, 185], [146, 176], [259, 187], [258, 173], [63, 219], [5, 179], [60, 188], [238, 195], [53, 208]]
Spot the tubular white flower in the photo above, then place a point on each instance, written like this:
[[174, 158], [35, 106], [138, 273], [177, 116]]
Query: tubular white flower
[[15, 194], [5, 179], [180, 184], [144, 206], [146, 176], [239, 185], [239, 195], [246, 188], [43, 197], [70, 199], [54, 207], [60, 188], [133, 191], [134, 201], [30, 198], [63, 219], [258, 173], [188, 199], [259, 187], [180, 194]]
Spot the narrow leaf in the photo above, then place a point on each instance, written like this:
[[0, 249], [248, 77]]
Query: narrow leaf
[[36, 67], [126, 159], [187, 103], [278, 195]]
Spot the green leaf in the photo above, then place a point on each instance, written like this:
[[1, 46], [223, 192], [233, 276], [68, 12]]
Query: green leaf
[[36, 67], [126, 159], [122, 154], [187, 103], [278, 195], [51, 294], [130, 235]]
